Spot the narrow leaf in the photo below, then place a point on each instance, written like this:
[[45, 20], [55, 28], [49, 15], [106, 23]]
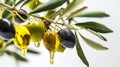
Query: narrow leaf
[[80, 51], [98, 35], [9, 2], [93, 14], [32, 51], [25, 2], [71, 7], [2, 52], [52, 4], [75, 13], [16, 56], [56, 13], [93, 44], [20, 1], [33, 4], [6, 13], [95, 26]]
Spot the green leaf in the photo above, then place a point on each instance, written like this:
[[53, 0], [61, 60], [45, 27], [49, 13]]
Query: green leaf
[[61, 48], [71, 7], [20, 1], [75, 13], [52, 4], [93, 14], [80, 51], [98, 35], [93, 44], [9, 2], [6, 13], [32, 51], [2, 52], [97, 27], [16, 56], [25, 2], [56, 13], [33, 4]]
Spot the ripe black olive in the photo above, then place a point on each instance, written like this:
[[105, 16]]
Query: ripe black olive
[[7, 30], [22, 13], [67, 38]]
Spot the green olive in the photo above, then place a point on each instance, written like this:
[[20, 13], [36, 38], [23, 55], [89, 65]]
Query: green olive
[[37, 29], [2, 46], [22, 38]]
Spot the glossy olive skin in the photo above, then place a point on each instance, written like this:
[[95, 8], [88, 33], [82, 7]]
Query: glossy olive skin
[[7, 30], [51, 40], [67, 38], [22, 13]]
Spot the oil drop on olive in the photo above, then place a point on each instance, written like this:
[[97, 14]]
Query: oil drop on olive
[[51, 42], [22, 38]]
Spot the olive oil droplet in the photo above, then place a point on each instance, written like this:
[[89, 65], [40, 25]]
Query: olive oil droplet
[[24, 52], [37, 44], [51, 57]]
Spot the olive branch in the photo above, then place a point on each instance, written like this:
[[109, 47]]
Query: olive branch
[[58, 27]]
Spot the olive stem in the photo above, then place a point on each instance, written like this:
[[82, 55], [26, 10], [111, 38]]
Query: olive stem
[[44, 19], [9, 7]]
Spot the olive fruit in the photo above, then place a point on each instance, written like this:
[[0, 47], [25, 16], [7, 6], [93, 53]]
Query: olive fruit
[[67, 38], [7, 30], [1, 43], [36, 28], [22, 38], [21, 17], [51, 42], [2, 46], [33, 3]]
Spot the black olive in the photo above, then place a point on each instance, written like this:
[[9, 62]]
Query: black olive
[[67, 38], [7, 30], [22, 13]]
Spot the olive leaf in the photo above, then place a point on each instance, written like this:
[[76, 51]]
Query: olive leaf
[[80, 51], [32, 51], [16, 56], [61, 48], [56, 13], [33, 4], [19, 2], [93, 44], [9, 2], [52, 4], [97, 27], [73, 14], [71, 7], [98, 35], [24, 3], [2, 52], [7, 14], [97, 14]]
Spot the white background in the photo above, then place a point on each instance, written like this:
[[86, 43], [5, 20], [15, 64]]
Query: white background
[[109, 58]]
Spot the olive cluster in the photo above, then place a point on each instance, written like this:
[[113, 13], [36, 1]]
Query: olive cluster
[[23, 32]]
